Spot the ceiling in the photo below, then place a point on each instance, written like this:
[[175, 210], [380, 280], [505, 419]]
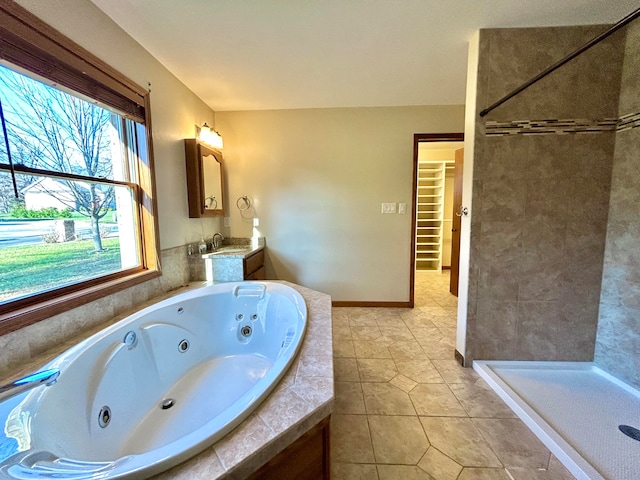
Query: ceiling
[[282, 54]]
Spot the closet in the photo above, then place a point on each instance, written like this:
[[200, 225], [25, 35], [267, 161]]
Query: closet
[[430, 215], [434, 214]]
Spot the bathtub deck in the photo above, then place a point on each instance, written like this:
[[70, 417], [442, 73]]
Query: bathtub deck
[[575, 409], [300, 401]]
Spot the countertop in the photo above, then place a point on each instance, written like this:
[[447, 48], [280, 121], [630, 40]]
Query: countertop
[[233, 251], [237, 247]]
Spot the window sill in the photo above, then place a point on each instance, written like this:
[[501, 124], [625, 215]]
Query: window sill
[[26, 316]]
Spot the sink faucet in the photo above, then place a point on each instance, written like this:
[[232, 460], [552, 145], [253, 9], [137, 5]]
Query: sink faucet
[[217, 238], [45, 377]]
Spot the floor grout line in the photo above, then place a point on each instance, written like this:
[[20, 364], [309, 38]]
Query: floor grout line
[[438, 312]]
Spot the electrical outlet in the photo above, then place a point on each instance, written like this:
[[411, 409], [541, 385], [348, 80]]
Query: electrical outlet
[[388, 208], [402, 208], [227, 221], [256, 222]]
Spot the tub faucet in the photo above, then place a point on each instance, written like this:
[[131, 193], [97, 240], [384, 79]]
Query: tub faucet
[[45, 377], [217, 238]]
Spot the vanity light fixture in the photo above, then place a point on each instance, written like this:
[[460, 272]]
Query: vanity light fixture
[[210, 137]]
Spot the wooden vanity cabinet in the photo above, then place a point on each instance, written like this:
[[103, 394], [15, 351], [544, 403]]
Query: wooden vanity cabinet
[[305, 459], [253, 266]]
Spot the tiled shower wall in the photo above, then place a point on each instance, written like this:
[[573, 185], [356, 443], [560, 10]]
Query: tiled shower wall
[[618, 340], [540, 201]]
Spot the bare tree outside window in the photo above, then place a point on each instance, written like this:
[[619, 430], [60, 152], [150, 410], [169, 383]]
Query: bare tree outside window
[[7, 196], [81, 221], [50, 129]]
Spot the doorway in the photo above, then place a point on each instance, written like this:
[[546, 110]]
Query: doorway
[[435, 238]]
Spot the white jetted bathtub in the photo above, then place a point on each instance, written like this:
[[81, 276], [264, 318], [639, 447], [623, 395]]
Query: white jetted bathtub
[[155, 388]]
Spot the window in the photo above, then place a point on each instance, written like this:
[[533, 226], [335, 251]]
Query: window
[[77, 209]]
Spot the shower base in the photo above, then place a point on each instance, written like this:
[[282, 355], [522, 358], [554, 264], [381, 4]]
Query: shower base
[[575, 409]]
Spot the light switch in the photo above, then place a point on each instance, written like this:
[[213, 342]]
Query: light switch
[[402, 208], [256, 222], [388, 208]]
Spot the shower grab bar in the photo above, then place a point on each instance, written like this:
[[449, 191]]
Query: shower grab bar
[[614, 28], [45, 377]]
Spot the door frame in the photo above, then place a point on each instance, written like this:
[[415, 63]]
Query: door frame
[[418, 138], [456, 224]]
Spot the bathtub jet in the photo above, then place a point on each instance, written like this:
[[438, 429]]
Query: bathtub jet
[[157, 387]]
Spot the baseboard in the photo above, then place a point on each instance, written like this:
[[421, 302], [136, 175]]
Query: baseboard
[[371, 304], [459, 357]]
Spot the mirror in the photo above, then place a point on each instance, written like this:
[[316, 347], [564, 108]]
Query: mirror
[[212, 182], [205, 176]]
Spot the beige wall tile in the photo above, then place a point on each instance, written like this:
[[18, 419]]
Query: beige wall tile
[[541, 202]]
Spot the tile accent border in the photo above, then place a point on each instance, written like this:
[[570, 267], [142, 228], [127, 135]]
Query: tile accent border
[[629, 121], [562, 126]]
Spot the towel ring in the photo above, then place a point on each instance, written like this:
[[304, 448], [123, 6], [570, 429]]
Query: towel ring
[[243, 203], [210, 203]]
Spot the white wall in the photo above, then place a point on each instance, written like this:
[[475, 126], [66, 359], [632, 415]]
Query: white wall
[[175, 110], [317, 178]]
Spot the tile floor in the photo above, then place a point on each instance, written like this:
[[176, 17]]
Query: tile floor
[[405, 409]]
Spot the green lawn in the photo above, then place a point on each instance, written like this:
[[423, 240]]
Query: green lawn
[[33, 268], [110, 217]]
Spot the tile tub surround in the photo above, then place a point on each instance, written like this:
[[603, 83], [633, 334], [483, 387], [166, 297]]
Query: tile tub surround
[[21, 346], [301, 400]]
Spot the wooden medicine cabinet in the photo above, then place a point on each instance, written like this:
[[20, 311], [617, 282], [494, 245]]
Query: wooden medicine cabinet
[[205, 179]]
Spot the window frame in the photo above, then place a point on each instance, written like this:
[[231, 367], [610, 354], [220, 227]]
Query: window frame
[[30, 44]]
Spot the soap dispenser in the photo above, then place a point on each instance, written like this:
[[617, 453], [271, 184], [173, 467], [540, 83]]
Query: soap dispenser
[[202, 246]]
